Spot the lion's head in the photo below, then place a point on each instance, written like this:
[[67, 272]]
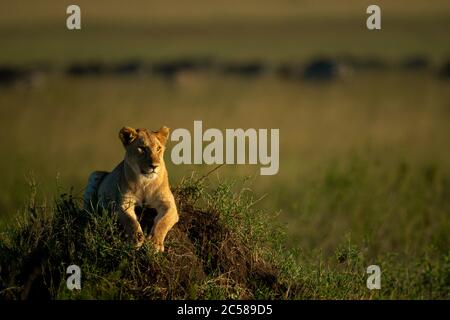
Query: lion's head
[[144, 149]]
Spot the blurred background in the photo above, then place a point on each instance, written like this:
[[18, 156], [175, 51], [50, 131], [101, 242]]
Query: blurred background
[[364, 116]]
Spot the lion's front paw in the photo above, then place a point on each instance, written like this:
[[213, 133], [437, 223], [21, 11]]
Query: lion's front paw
[[138, 240], [159, 246]]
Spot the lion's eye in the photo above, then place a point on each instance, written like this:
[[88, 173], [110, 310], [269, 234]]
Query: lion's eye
[[158, 148], [140, 150]]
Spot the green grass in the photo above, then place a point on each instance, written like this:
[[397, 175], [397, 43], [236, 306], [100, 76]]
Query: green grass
[[362, 158], [67, 128], [222, 248], [363, 180]]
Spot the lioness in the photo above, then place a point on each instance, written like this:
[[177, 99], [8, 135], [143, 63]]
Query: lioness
[[139, 180]]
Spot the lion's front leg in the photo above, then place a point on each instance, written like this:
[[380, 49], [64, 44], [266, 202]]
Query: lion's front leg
[[164, 221], [128, 218]]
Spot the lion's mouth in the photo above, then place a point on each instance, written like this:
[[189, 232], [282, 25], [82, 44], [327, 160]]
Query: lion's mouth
[[148, 172]]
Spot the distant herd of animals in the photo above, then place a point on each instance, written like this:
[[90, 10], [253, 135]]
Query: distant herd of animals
[[320, 69]]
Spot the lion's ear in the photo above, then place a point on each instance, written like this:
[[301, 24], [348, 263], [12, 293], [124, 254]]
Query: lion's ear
[[127, 135], [163, 134]]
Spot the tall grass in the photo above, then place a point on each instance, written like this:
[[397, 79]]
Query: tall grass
[[222, 248]]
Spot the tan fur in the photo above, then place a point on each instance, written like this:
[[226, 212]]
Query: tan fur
[[141, 179]]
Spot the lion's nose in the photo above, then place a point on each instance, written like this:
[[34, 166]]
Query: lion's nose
[[153, 166]]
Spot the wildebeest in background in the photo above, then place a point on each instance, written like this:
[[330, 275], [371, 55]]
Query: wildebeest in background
[[326, 69], [290, 71], [370, 63], [9, 75], [31, 76], [91, 68], [245, 69], [169, 69], [415, 63], [131, 67], [444, 71]]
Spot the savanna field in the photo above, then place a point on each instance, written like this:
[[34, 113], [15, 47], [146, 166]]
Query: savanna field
[[364, 160]]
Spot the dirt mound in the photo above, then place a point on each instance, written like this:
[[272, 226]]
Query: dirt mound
[[220, 250]]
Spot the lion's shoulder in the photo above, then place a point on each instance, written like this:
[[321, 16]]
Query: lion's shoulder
[[94, 181]]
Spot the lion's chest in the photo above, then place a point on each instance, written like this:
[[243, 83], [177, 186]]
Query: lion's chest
[[146, 194]]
